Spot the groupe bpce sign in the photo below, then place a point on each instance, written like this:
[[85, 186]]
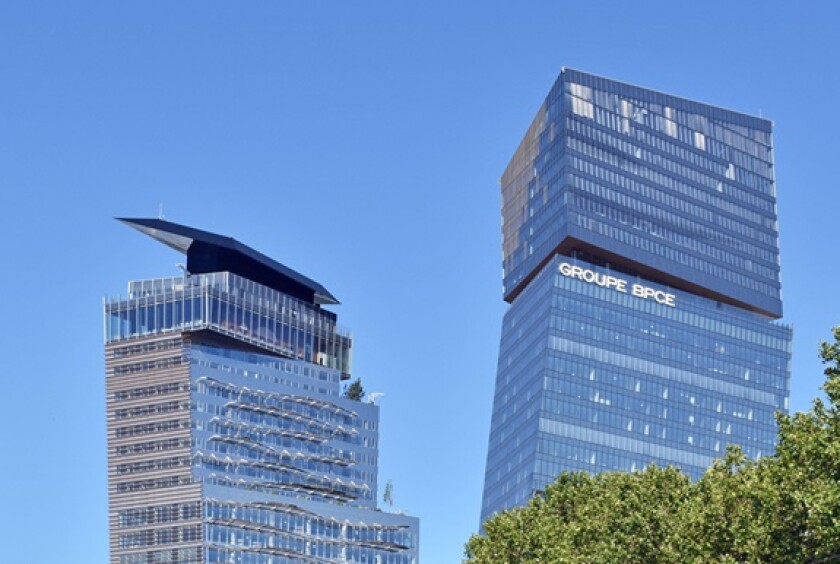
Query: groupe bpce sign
[[617, 284]]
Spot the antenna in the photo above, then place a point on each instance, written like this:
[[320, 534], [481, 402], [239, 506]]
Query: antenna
[[160, 211], [388, 497]]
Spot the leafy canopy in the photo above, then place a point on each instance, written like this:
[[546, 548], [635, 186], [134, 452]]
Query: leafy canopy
[[355, 391]]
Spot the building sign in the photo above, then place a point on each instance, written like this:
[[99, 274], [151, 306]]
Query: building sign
[[617, 284]]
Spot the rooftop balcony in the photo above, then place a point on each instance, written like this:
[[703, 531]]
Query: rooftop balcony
[[233, 306]]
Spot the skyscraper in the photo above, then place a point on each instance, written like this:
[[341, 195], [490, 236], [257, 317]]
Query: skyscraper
[[228, 437], [641, 263]]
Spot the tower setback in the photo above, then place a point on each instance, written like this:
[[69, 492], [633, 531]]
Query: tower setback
[[228, 437], [641, 264]]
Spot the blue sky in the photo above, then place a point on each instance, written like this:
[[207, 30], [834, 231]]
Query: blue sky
[[361, 144]]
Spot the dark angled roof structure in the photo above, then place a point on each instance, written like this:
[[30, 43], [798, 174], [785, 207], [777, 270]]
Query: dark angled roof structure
[[209, 252]]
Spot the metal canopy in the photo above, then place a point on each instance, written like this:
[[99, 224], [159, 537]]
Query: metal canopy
[[209, 252]]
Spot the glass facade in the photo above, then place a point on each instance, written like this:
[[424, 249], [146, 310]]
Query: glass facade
[[230, 305], [278, 464], [641, 261], [675, 189], [228, 437]]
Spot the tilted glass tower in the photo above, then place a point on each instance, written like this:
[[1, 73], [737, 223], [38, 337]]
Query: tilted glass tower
[[228, 437], [641, 262]]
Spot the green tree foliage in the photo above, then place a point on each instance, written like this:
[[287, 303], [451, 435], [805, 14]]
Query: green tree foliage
[[354, 391], [781, 508]]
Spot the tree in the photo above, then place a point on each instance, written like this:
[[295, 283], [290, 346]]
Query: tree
[[781, 508], [355, 391], [611, 517]]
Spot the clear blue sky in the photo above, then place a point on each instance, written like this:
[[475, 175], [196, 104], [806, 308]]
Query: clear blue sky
[[360, 143]]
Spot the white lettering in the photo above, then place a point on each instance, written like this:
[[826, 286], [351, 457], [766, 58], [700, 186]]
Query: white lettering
[[607, 281]]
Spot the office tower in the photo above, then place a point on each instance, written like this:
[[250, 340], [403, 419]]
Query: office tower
[[641, 264], [228, 437]]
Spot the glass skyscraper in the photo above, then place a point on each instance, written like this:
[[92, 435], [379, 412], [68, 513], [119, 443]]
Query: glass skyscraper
[[641, 264], [228, 436]]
